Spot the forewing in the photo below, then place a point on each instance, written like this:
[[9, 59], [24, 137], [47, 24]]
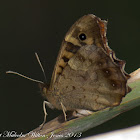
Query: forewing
[[95, 30]]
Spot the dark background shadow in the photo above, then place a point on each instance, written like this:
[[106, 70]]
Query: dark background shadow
[[30, 26]]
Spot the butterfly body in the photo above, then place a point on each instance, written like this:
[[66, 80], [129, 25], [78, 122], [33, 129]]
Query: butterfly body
[[87, 75]]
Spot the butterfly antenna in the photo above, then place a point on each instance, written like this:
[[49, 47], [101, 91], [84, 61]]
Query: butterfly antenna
[[37, 57], [16, 73]]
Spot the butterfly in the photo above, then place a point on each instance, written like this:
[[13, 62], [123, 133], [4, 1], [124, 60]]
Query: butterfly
[[87, 74]]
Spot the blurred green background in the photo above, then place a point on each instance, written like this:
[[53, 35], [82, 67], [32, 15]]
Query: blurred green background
[[28, 26]]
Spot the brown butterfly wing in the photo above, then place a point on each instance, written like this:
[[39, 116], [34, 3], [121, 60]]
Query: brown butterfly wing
[[91, 81], [87, 74], [71, 44]]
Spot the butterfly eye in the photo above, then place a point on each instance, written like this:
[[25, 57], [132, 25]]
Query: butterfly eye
[[82, 36]]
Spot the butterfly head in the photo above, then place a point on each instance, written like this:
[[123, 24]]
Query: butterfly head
[[43, 88]]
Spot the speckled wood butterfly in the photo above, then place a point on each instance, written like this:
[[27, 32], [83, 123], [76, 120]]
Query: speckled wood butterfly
[[87, 75]]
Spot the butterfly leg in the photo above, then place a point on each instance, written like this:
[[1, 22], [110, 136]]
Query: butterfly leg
[[45, 103], [64, 111]]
